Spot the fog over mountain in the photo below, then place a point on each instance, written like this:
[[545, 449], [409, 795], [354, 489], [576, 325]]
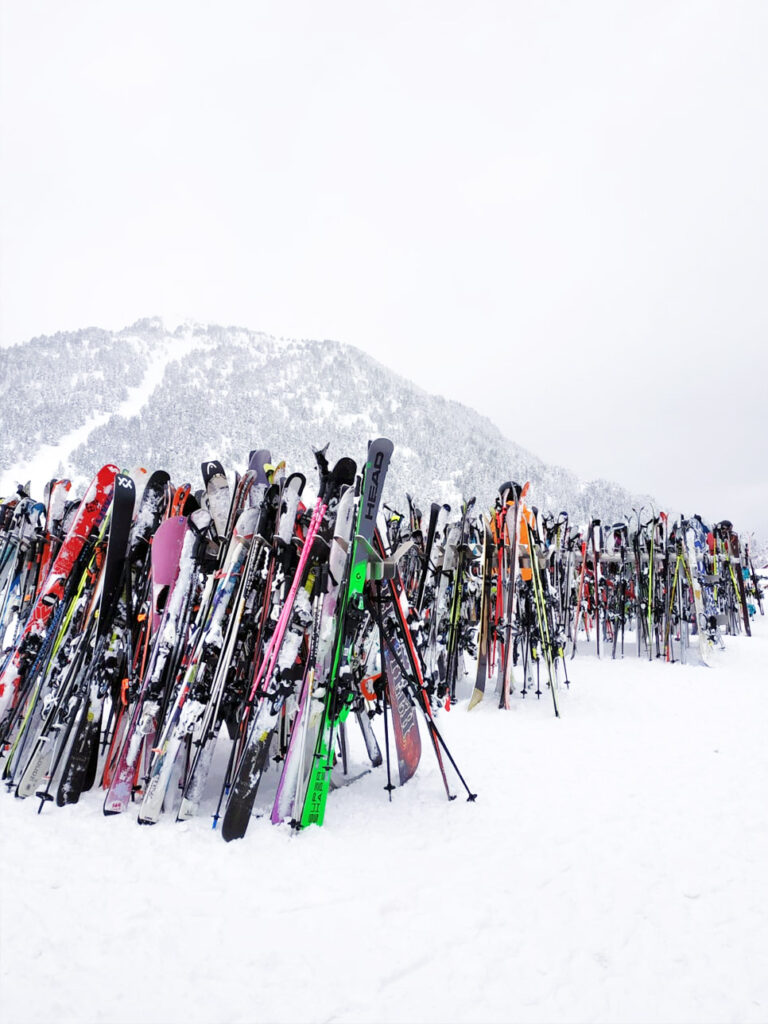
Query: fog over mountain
[[170, 398]]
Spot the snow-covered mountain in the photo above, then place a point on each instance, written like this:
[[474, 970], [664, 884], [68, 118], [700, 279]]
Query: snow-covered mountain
[[162, 398]]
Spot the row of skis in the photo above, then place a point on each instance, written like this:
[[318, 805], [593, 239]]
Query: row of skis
[[143, 623], [168, 645]]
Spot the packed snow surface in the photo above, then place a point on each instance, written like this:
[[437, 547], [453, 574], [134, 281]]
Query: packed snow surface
[[613, 868]]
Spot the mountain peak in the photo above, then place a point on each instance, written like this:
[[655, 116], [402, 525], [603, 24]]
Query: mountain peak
[[167, 395]]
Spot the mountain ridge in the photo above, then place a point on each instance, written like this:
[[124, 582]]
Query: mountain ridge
[[165, 398]]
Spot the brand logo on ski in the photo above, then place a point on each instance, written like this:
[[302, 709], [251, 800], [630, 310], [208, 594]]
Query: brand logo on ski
[[371, 500]]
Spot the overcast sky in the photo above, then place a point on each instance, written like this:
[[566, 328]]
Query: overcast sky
[[554, 212]]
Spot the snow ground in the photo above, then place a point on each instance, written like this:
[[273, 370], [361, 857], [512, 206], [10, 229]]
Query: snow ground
[[613, 868]]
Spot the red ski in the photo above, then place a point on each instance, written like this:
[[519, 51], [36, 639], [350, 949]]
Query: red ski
[[90, 514]]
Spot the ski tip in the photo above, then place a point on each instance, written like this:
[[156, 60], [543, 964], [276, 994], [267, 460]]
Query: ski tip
[[475, 699]]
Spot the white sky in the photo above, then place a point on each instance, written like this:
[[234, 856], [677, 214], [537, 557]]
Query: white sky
[[555, 212]]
